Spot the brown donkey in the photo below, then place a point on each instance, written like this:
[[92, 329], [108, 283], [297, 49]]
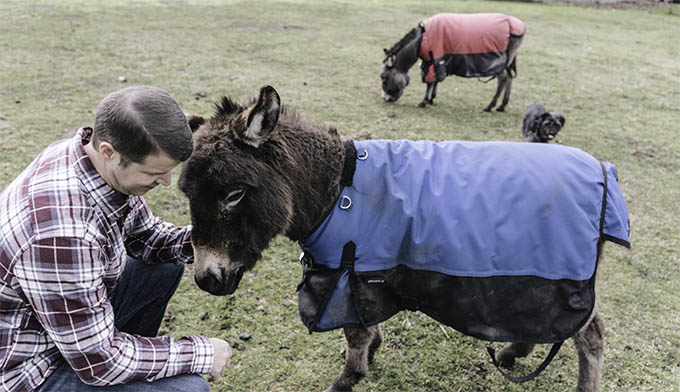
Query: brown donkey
[[362, 211]]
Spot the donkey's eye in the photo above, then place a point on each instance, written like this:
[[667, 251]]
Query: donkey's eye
[[234, 197], [231, 200]]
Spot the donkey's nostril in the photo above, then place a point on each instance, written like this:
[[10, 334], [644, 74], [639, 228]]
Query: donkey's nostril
[[210, 283], [221, 281], [239, 273], [224, 277]]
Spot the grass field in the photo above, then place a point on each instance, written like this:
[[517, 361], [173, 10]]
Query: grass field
[[614, 74]]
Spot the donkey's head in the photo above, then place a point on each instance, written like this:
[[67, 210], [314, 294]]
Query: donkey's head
[[394, 81], [238, 201], [252, 166], [398, 59]]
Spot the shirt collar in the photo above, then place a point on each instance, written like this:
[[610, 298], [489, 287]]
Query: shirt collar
[[112, 203]]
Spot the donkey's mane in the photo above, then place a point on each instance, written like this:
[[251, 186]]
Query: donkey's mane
[[226, 106], [410, 36]]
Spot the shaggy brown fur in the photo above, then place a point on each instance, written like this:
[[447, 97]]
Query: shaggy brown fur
[[258, 171]]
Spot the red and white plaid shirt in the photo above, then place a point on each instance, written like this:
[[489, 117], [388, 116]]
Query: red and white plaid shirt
[[64, 237]]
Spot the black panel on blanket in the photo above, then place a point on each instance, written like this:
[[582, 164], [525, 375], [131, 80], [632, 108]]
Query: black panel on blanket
[[467, 65], [498, 308]]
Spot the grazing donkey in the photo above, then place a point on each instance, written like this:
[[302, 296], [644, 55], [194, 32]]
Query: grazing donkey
[[468, 45], [494, 239]]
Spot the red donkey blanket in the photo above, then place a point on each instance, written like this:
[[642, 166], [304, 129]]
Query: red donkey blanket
[[468, 45]]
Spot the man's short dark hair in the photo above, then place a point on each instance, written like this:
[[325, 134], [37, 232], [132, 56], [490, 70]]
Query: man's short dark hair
[[143, 120]]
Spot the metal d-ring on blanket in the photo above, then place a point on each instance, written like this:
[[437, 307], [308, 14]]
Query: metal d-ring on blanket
[[363, 156], [346, 203]]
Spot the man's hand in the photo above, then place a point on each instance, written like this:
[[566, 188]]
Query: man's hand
[[222, 357]]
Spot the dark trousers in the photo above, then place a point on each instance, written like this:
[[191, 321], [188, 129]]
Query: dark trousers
[[139, 301], [142, 294]]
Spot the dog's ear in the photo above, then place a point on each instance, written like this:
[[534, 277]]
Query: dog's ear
[[544, 116], [560, 119], [537, 122]]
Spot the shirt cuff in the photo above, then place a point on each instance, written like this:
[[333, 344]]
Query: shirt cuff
[[204, 354], [187, 251]]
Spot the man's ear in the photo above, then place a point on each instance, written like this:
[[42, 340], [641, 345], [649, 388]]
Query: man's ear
[[258, 121], [106, 150], [195, 122]]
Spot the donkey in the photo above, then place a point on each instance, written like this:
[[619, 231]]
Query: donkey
[[258, 170], [467, 45]]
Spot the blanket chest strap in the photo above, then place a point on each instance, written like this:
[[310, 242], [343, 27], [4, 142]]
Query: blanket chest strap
[[553, 351]]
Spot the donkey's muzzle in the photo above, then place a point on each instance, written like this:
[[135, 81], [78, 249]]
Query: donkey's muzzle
[[223, 284], [388, 97]]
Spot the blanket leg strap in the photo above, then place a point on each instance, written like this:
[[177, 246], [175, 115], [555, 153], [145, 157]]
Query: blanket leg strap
[[553, 351]]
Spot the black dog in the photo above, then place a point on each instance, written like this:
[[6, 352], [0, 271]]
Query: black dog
[[539, 125]]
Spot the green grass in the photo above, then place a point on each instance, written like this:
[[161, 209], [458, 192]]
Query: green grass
[[614, 74]]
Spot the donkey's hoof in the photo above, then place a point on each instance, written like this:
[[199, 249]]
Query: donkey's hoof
[[422, 104], [505, 361], [488, 108], [500, 109]]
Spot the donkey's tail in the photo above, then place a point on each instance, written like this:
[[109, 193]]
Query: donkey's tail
[[512, 68]]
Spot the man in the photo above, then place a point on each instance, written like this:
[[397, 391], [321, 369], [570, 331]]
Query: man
[[86, 270]]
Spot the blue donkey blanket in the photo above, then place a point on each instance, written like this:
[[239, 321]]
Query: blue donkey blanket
[[499, 240]]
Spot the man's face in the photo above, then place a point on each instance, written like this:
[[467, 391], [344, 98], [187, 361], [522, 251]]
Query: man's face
[[139, 178]]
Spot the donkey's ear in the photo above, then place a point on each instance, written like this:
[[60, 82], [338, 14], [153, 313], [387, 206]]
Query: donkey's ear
[[389, 61], [195, 122], [255, 124]]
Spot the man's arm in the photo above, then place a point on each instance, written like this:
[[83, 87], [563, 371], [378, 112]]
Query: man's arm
[[62, 279], [152, 240]]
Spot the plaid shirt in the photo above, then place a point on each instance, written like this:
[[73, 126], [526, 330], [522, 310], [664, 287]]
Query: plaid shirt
[[64, 236]]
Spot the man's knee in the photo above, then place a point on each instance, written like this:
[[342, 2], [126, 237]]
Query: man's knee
[[193, 382], [172, 275], [168, 270], [161, 279]]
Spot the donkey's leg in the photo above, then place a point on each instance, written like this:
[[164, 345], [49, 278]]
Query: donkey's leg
[[434, 92], [506, 357], [506, 95], [513, 45], [502, 80], [589, 342], [356, 357], [376, 341], [430, 93]]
